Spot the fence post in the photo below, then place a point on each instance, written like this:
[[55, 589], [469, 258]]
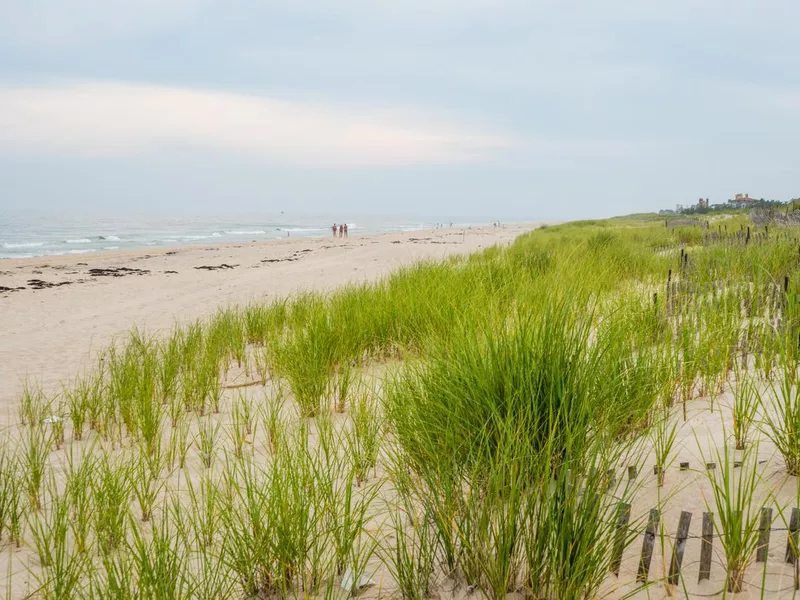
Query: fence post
[[623, 516], [647, 545], [791, 543], [679, 547], [763, 535], [706, 547]]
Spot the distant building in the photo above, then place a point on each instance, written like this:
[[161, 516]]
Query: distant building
[[701, 203], [742, 199]]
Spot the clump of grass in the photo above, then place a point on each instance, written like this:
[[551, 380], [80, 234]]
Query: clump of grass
[[159, 562], [347, 512], [363, 438], [237, 435], [96, 406], [243, 413], [43, 525], [57, 421], [412, 559], [34, 405], [271, 418], [78, 405], [78, 492], [116, 578], [11, 478], [169, 365], [735, 510], [782, 420], [509, 435], [34, 464], [12, 506], [184, 443], [245, 518], [663, 435], [146, 483], [344, 382], [111, 493], [305, 359], [745, 406], [205, 506], [63, 564], [207, 434]]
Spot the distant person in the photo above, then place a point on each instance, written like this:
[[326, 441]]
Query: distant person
[[334, 229], [345, 230], [341, 230]]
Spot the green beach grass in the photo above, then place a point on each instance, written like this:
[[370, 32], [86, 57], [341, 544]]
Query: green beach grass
[[458, 425]]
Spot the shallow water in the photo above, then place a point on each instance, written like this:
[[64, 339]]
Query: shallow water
[[27, 234]]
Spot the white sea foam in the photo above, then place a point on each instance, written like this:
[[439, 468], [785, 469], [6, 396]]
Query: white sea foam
[[66, 252], [80, 241], [111, 238], [12, 246], [255, 232], [110, 247]]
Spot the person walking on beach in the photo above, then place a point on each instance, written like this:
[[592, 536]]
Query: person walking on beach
[[341, 230], [334, 229], [345, 230]]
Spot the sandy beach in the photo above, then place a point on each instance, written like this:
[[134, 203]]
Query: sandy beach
[[56, 312]]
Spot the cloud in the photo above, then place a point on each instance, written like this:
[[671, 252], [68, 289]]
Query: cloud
[[99, 119]]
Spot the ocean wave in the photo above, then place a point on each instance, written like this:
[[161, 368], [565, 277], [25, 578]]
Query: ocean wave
[[110, 247], [303, 228], [79, 241], [12, 246], [16, 256], [66, 252], [254, 232], [109, 238]]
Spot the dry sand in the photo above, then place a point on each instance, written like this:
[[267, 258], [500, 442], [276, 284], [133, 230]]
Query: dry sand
[[49, 333]]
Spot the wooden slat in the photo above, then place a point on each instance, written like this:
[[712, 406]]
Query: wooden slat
[[763, 535], [647, 545], [791, 543], [706, 546], [623, 517], [679, 547]]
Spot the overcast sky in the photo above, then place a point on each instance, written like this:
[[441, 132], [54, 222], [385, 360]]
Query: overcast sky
[[500, 108]]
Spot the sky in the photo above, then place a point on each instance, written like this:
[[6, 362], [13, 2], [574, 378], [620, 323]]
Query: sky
[[508, 109]]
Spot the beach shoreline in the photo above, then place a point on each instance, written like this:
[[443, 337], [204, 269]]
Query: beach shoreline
[[71, 306]]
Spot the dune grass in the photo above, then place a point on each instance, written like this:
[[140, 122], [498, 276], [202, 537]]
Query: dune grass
[[458, 423]]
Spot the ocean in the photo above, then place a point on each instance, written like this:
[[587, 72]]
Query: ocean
[[26, 235]]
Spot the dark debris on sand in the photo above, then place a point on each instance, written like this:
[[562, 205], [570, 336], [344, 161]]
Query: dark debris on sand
[[38, 284], [116, 272], [216, 267]]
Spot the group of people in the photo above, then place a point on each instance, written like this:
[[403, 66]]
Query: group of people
[[342, 228]]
